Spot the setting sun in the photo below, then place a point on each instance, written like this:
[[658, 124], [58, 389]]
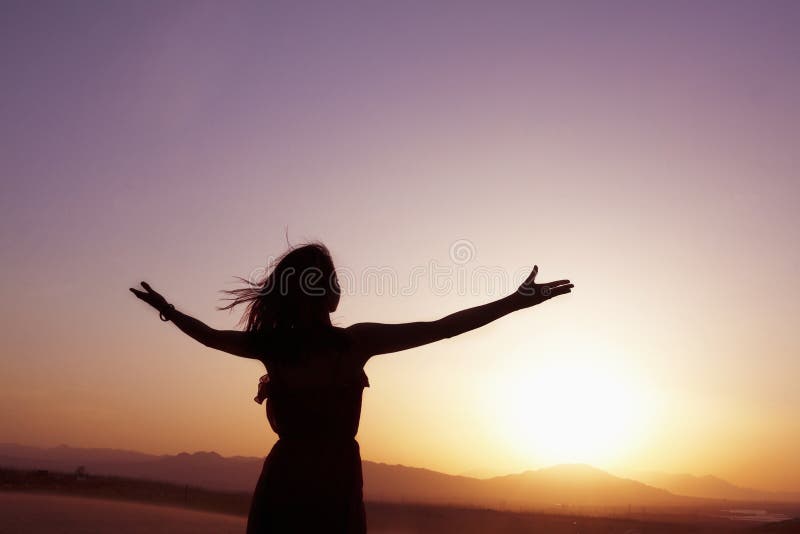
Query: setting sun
[[569, 411]]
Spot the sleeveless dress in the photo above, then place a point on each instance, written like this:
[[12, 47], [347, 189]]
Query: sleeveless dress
[[311, 480]]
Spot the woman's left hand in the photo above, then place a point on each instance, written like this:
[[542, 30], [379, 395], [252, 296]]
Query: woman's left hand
[[530, 293]]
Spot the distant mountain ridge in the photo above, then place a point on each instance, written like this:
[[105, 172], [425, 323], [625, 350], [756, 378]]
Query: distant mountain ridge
[[709, 486], [572, 485]]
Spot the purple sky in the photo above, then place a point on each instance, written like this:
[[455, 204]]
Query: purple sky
[[648, 151]]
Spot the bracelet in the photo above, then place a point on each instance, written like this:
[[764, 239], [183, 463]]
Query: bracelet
[[161, 314]]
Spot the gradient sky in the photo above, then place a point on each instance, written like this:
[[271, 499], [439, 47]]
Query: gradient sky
[[647, 151]]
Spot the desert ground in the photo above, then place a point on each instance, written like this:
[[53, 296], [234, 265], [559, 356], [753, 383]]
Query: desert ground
[[60, 514], [36, 513]]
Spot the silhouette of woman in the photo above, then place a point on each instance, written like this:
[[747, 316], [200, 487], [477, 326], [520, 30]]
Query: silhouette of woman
[[311, 479]]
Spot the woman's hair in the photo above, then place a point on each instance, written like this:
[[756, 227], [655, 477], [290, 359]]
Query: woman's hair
[[295, 292]]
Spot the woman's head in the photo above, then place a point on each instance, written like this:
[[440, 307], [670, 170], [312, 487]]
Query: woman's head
[[299, 291]]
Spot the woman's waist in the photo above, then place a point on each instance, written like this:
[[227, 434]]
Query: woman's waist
[[317, 439], [320, 426]]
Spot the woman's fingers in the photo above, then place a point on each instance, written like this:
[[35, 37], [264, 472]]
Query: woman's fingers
[[147, 297], [155, 294], [555, 284], [531, 277], [563, 290], [150, 297]]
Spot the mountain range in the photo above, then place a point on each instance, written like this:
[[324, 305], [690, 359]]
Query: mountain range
[[568, 485]]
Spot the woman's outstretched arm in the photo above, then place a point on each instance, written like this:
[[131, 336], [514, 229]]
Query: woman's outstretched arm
[[231, 341], [371, 339]]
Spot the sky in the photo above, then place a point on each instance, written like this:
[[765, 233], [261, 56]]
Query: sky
[[646, 151]]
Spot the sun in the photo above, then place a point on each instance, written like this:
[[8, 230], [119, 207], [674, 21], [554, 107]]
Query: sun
[[569, 411]]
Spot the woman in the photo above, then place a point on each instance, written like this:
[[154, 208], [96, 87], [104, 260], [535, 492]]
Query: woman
[[311, 479]]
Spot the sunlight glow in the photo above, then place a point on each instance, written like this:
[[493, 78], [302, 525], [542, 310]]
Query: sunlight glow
[[570, 411]]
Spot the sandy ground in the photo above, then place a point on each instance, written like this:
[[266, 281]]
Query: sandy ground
[[56, 514], [27, 513]]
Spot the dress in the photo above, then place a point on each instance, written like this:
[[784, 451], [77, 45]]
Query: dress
[[311, 481]]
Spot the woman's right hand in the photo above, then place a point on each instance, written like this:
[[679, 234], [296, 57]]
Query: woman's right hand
[[151, 296], [530, 293]]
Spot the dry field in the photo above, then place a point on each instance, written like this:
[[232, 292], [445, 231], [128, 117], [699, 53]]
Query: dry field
[[59, 514]]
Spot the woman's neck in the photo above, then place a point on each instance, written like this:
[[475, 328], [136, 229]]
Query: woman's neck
[[310, 322]]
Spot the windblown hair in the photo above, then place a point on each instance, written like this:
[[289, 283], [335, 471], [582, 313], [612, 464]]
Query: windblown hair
[[297, 286]]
